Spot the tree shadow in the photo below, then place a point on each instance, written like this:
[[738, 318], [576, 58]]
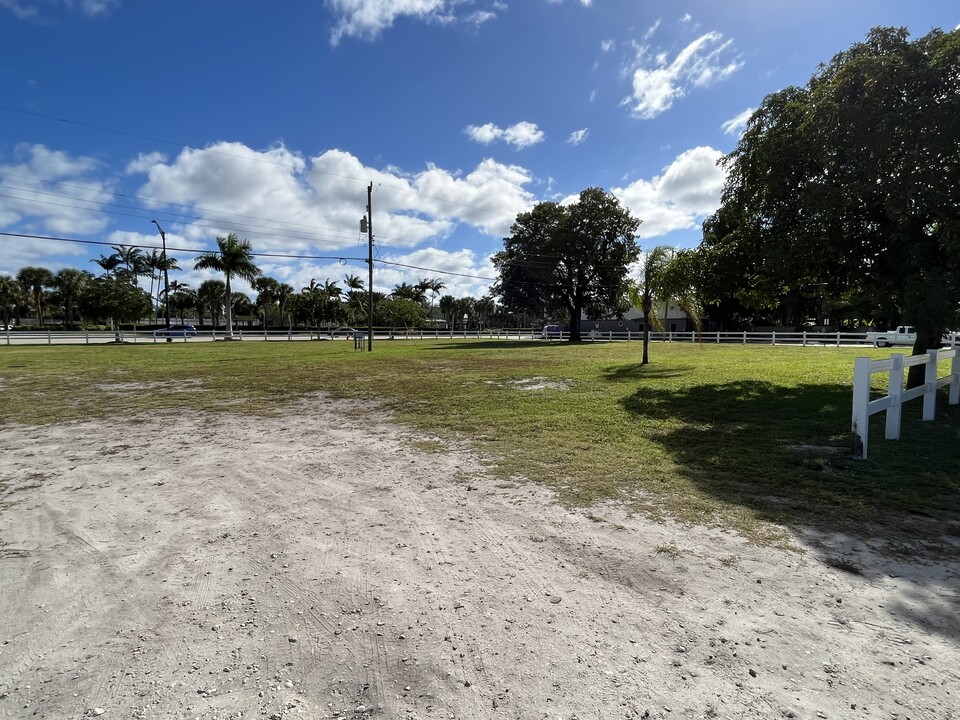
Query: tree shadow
[[638, 371], [445, 345], [784, 453]]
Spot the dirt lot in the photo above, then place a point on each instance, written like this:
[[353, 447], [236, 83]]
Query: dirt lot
[[329, 563]]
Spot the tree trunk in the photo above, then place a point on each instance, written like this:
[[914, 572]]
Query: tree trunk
[[229, 311], [575, 313], [922, 345], [646, 336]]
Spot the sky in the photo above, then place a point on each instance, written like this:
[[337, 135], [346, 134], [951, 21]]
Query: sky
[[270, 120]]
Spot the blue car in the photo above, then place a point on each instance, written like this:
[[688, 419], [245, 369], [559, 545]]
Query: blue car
[[183, 331]]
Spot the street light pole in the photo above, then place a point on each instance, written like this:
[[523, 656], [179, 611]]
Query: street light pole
[[166, 277]]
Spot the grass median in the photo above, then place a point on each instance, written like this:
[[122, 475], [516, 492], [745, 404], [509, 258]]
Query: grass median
[[719, 434]]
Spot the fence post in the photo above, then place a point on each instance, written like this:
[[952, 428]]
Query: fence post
[[930, 380], [860, 425], [86, 336], [804, 338], [954, 397], [894, 410], [718, 337], [773, 338], [289, 334], [49, 338], [744, 337]]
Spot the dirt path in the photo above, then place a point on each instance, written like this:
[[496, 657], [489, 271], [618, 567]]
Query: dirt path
[[319, 565]]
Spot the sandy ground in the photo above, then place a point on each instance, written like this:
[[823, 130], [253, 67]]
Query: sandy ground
[[322, 564]]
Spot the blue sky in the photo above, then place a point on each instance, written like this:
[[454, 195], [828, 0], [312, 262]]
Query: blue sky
[[269, 120]]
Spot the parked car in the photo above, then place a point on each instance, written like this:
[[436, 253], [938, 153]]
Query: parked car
[[176, 331], [343, 332]]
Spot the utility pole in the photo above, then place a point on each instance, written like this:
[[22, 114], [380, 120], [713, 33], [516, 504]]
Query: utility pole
[[370, 266], [166, 277]]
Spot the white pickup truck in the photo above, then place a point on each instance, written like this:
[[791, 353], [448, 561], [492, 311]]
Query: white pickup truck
[[903, 335]]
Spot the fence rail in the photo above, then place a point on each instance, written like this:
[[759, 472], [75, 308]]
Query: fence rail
[[892, 402], [51, 337]]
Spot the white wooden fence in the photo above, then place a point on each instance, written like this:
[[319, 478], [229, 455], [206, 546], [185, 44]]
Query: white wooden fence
[[892, 402]]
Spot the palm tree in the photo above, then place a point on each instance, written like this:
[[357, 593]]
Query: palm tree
[[154, 264], [134, 261], [70, 283], [34, 280], [485, 307], [353, 282], [664, 280], [211, 295], [10, 293], [267, 289], [431, 285], [410, 292], [446, 308], [109, 263], [234, 259], [284, 294]]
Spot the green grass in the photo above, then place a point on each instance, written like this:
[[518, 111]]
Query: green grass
[[702, 434]]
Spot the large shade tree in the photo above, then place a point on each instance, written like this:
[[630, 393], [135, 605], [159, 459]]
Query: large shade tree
[[234, 258], [569, 259], [852, 182]]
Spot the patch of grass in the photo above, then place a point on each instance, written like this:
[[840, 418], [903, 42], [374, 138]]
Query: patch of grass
[[720, 434], [671, 550]]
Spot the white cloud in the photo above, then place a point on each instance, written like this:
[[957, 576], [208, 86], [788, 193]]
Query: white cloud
[[657, 84], [687, 17], [687, 190], [484, 134], [144, 162], [578, 136], [49, 191], [521, 135], [366, 19], [608, 46], [737, 124], [283, 201], [651, 30], [25, 9]]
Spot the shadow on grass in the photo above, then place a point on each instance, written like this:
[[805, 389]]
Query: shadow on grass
[[446, 345], [784, 452], [637, 371]]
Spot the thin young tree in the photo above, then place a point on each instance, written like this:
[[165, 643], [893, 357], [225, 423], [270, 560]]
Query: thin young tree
[[664, 280], [234, 258]]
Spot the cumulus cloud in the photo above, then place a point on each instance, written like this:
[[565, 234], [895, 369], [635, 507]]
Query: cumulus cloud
[[658, 82], [608, 46], [281, 200], [521, 135], [48, 191], [578, 136], [366, 19], [686, 191], [737, 124]]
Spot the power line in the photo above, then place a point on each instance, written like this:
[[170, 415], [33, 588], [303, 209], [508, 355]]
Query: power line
[[194, 251]]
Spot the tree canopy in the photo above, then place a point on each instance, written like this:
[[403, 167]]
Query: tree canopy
[[851, 184], [569, 259]]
